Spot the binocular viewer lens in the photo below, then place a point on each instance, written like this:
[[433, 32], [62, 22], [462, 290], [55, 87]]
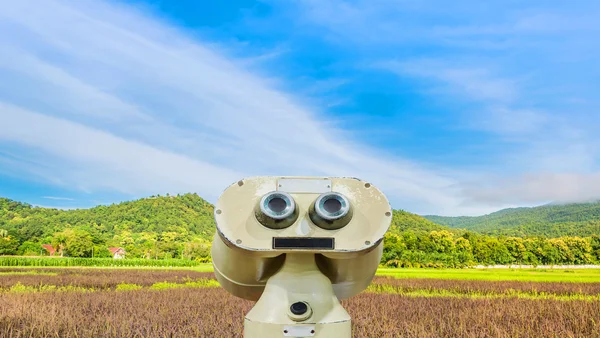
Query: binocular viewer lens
[[276, 210], [330, 211], [277, 205], [332, 206]]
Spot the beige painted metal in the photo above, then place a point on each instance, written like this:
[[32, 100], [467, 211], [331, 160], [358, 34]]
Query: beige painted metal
[[247, 266], [300, 280], [237, 224]]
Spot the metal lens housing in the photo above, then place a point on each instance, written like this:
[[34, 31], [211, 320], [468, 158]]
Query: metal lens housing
[[276, 210], [331, 211]]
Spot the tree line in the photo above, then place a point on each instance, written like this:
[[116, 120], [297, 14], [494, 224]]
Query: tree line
[[444, 248]]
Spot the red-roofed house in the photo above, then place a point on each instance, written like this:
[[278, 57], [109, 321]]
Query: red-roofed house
[[49, 248], [117, 252]]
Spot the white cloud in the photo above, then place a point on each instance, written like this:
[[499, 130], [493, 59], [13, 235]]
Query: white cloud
[[497, 95], [522, 74], [57, 198], [102, 97], [92, 159], [474, 83], [530, 189], [108, 99]]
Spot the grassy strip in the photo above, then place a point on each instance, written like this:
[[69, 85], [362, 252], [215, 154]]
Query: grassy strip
[[28, 272], [9, 261], [534, 295], [373, 288], [524, 275], [529, 275], [201, 267], [20, 288], [200, 283]]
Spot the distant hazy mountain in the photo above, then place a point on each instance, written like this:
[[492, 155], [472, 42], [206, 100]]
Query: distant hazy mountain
[[552, 220]]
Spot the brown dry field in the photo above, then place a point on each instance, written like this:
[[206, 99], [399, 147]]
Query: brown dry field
[[212, 312], [98, 278]]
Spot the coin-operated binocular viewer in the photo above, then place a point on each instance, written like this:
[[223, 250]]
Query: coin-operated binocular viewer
[[297, 246]]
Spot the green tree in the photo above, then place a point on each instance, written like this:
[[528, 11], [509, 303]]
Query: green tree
[[442, 241], [197, 250], [464, 251], [393, 246], [59, 241], [75, 242], [8, 245], [516, 248], [595, 246], [29, 248], [580, 250], [556, 251], [101, 251]]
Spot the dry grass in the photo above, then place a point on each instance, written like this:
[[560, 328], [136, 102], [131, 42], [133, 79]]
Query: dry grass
[[381, 315], [491, 287], [212, 312], [97, 278]]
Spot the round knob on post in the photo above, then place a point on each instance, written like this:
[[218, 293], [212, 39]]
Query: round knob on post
[[299, 311]]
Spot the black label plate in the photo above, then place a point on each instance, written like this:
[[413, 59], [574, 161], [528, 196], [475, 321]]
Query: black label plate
[[307, 243]]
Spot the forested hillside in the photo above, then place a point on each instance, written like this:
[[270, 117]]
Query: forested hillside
[[406, 221], [158, 226], [162, 227], [581, 219]]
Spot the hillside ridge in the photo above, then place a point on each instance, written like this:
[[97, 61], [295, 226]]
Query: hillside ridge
[[551, 220], [144, 227]]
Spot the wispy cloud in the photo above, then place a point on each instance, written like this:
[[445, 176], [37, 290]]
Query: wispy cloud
[[103, 97], [56, 198], [54, 207], [498, 98], [473, 83], [108, 99], [533, 188], [522, 73]]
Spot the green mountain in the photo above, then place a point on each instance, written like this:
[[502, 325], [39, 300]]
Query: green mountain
[[406, 221], [145, 227], [552, 220], [182, 227], [156, 226]]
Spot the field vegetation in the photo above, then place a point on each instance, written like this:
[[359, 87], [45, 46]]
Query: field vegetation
[[528, 275], [101, 302]]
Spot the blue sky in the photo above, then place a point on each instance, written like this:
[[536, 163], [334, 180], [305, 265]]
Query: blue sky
[[458, 109]]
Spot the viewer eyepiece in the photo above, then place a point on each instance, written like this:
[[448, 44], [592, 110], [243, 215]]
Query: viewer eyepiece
[[331, 211], [277, 205], [276, 210], [332, 206]]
